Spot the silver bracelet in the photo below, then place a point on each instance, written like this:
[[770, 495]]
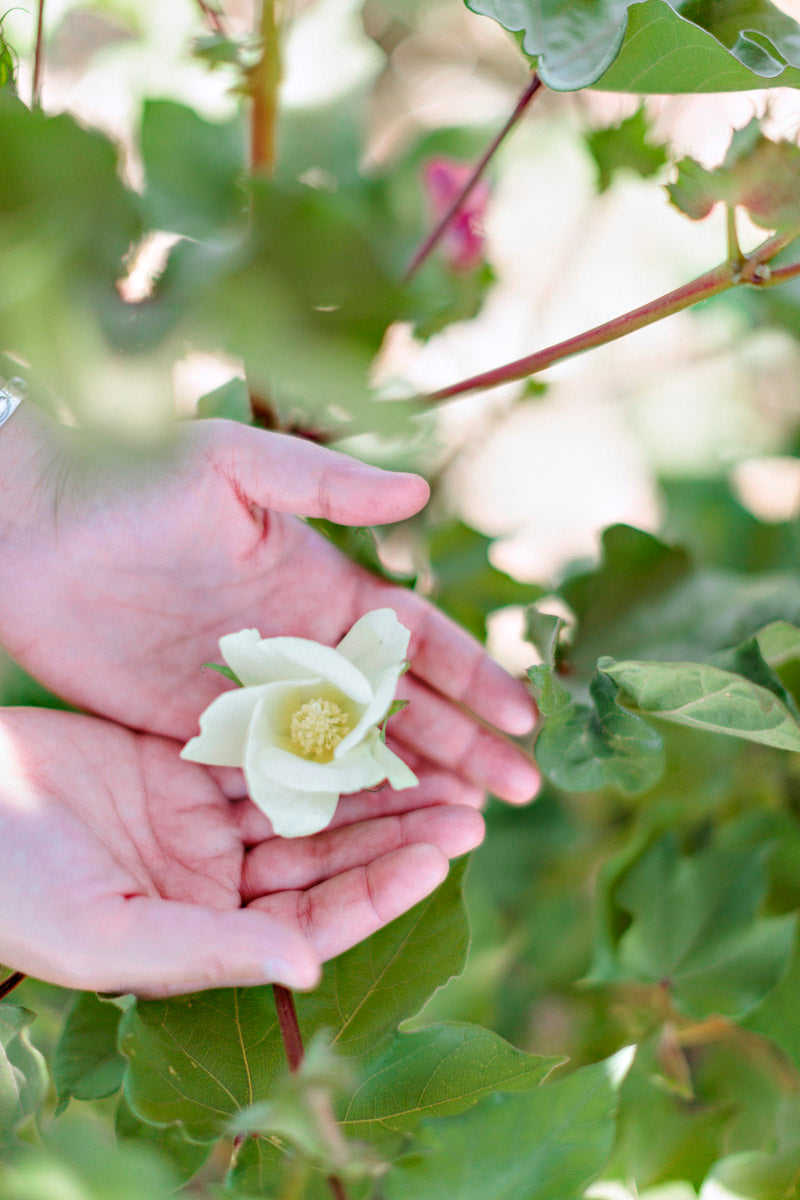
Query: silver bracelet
[[11, 396]]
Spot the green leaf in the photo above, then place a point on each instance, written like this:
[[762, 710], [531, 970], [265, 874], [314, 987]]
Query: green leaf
[[706, 697], [465, 584], [584, 748], [627, 146], [192, 170], [758, 175], [23, 1073], [226, 671], [86, 1061], [543, 630], [436, 1072], [545, 1145], [700, 46], [778, 1015], [694, 928], [231, 401], [366, 992], [197, 1060], [656, 46]]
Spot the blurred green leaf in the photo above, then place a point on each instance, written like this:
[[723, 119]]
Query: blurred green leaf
[[627, 146], [193, 170], [465, 584], [23, 1073], [231, 401], [543, 630], [79, 1159], [656, 46], [86, 1061], [545, 1145], [694, 928], [757, 174], [778, 1015], [183, 1157]]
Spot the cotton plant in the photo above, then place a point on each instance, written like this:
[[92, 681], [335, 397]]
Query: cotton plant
[[305, 724]]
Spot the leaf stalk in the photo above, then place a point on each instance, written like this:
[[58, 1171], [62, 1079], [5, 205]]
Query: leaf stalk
[[441, 227], [753, 269]]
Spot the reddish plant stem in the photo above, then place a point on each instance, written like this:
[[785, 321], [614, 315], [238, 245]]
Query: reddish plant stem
[[213, 16], [438, 231], [38, 58], [293, 1048], [10, 982], [753, 270], [290, 1029]]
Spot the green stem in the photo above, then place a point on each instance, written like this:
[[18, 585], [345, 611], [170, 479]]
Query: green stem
[[753, 270], [735, 256], [441, 227], [264, 80]]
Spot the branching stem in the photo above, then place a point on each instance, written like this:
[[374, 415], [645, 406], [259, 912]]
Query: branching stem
[[753, 269], [441, 227]]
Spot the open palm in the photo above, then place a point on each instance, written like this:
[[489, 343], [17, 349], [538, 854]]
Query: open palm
[[128, 869], [115, 592]]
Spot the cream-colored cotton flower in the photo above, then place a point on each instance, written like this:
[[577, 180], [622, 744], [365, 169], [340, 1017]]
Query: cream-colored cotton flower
[[304, 726]]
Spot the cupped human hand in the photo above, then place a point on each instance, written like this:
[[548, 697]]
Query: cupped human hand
[[126, 868], [117, 590]]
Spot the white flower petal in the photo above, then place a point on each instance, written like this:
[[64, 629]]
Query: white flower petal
[[385, 686], [293, 813], [375, 642], [357, 770], [398, 773], [255, 660], [223, 729], [317, 659]]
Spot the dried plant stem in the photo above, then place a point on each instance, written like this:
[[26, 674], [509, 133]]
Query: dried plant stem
[[10, 982], [753, 269], [438, 231]]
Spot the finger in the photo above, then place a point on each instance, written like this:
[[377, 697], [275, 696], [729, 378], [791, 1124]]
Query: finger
[[452, 661], [160, 947], [292, 475], [280, 864], [450, 737], [435, 787], [344, 910]]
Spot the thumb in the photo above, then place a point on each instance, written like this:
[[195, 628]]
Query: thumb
[[160, 948], [287, 474]]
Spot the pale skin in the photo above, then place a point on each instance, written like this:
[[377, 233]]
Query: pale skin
[[115, 592]]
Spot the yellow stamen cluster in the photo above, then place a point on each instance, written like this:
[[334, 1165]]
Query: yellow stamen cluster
[[317, 728]]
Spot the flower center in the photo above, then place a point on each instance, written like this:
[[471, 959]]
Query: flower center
[[318, 726]]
